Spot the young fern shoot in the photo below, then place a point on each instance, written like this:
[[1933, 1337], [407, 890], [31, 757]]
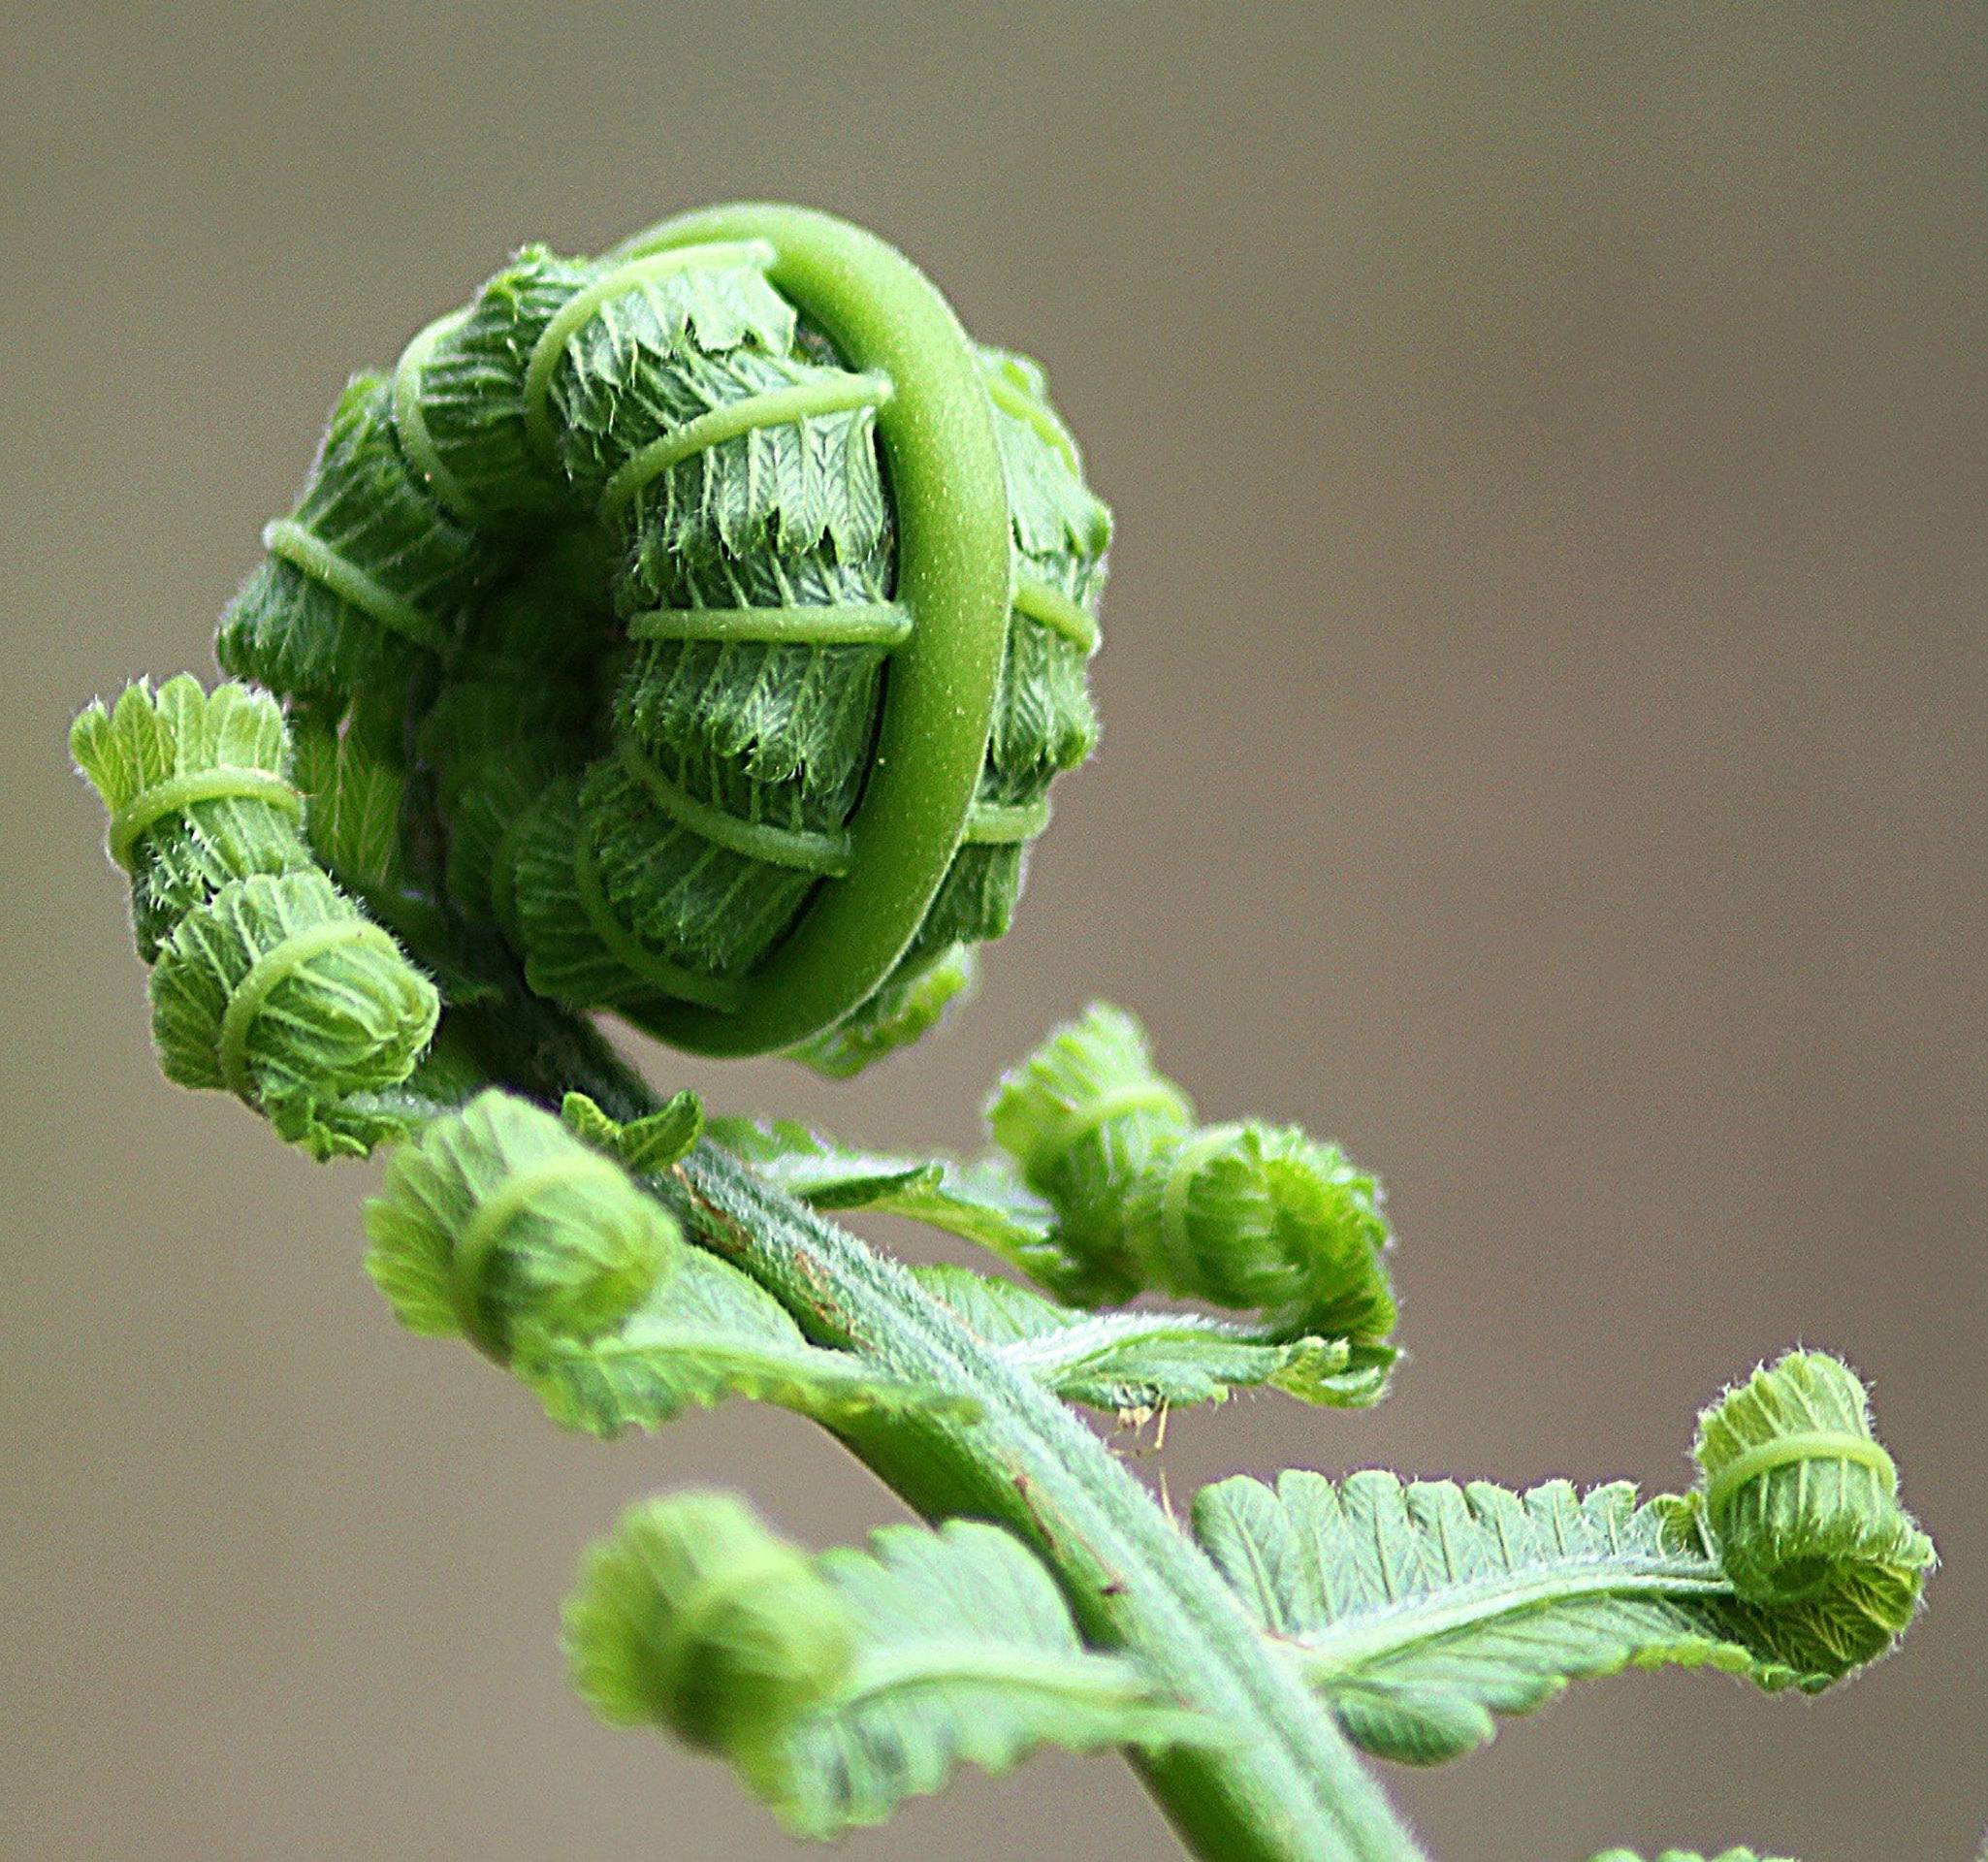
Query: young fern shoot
[[695, 633]]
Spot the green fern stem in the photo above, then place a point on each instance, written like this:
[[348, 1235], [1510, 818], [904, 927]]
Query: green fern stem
[[1289, 1788]]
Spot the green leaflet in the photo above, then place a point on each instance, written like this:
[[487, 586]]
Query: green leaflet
[[705, 1333], [525, 1234], [281, 991], [1799, 1491], [1244, 1215], [1140, 1361], [497, 1222], [364, 578], [643, 1147], [692, 1615], [267, 980], [980, 1202], [199, 790], [1421, 1610], [840, 1687], [1115, 1360]]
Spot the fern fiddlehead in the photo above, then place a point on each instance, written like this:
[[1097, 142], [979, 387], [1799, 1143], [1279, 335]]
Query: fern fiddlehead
[[704, 626], [268, 980], [1241, 1214], [757, 600]]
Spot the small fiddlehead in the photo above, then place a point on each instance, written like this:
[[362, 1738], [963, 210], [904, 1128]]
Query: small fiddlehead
[[498, 1213], [1802, 1502], [267, 980], [694, 1617], [1244, 1215], [753, 603], [842, 1684]]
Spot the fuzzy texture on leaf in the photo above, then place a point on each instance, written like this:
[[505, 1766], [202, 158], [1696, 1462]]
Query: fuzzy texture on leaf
[[499, 1219], [199, 789], [1149, 1359], [982, 1201], [705, 1333], [1804, 1502], [281, 991], [1421, 1610], [842, 1686], [1242, 1216]]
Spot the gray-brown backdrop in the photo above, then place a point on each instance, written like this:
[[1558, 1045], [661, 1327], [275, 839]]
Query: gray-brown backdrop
[[1544, 749]]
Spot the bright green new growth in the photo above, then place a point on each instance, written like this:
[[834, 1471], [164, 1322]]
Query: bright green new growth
[[843, 1685], [695, 1617], [1242, 1216], [267, 980], [696, 632], [617, 542], [1422, 1610], [500, 1215], [1804, 1503]]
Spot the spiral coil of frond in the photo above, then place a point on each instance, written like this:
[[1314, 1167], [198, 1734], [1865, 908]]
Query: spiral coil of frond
[[1802, 1502], [743, 607], [1245, 1215]]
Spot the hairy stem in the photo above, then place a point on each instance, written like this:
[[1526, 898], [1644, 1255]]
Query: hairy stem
[[1289, 1788]]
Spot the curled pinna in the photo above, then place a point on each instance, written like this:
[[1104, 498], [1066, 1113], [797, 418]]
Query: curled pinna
[[742, 605], [1802, 1501], [498, 1216], [268, 980], [695, 1617], [1245, 1215]]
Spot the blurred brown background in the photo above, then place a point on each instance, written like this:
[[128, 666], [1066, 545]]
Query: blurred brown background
[[1544, 749]]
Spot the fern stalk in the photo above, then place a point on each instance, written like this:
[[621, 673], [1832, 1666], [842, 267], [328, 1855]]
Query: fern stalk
[[1289, 1788]]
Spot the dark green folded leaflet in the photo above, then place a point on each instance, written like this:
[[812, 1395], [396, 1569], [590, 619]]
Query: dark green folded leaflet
[[364, 578], [841, 1685], [736, 761], [458, 395], [517, 712]]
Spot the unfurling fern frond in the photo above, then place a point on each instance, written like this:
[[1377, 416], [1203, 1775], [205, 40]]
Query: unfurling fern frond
[[750, 604], [1243, 1215], [1421, 1610], [844, 1684], [267, 980], [503, 1225]]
